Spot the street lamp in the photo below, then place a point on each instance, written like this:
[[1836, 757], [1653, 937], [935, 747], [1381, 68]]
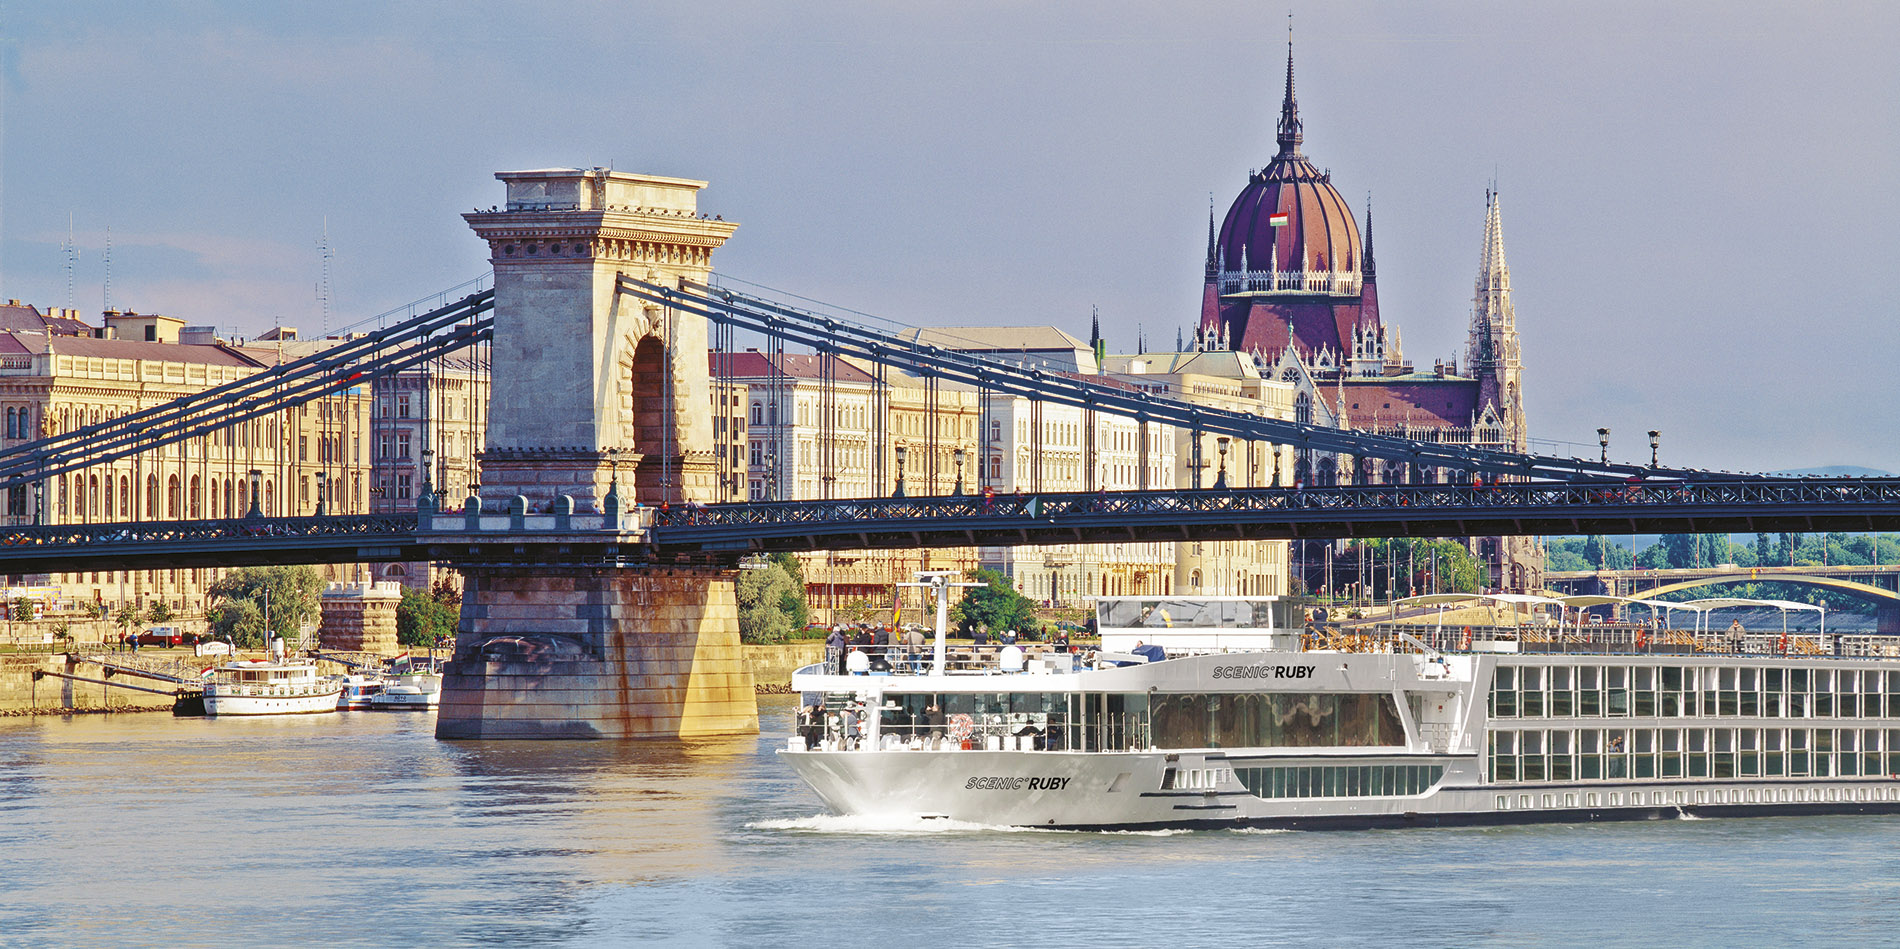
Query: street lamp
[[39, 502], [322, 476], [1276, 466], [428, 471], [771, 474], [958, 455], [902, 452], [1220, 477], [1603, 440], [257, 480], [1655, 442]]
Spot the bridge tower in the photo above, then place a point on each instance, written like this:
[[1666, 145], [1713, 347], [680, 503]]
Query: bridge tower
[[596, 397]]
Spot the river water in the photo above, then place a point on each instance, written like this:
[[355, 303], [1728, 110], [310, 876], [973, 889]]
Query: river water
[[362, 829]]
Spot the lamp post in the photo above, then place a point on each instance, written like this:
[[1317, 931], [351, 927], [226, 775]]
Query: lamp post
[[771, 474], [39, 503], [1603, 440], [322, 476], [1276, 466], [257, 481], [428, 471], [1220, 477], [902, 454], [958, 455], [1655, 442]]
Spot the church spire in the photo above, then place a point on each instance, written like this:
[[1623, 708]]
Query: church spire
[[1492, 351], [1290, 137]]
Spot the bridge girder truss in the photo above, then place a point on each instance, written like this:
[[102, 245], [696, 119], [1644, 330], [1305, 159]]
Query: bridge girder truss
[[723, 532]]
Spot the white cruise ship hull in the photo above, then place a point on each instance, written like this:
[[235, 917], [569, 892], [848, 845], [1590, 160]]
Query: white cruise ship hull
[[1394, 734]]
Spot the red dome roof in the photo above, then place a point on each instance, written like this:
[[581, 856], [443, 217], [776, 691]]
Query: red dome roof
[[1319, 234]]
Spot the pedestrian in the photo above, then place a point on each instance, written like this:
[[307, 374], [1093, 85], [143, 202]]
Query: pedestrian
[[834, 650]]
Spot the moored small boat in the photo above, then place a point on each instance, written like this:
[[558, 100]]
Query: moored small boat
[[269, 687]]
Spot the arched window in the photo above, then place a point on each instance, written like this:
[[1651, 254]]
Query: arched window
[[211, 495], [197, 510], [171, 498], [79, 497], [1194, 579], [125, 497], [13, 429], [758, 413], [151, 496], [109, 492]]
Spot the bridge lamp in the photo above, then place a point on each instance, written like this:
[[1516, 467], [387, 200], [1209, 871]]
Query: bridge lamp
[[1603, 440], [958, 455], [39, 501], [257, 482], [771, 473], [1220, 477], [322, 476], [428, 471], [902, 453], [1655, 442]]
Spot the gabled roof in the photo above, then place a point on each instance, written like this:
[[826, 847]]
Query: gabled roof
[[753, 364], [995, 339], [123, 349]]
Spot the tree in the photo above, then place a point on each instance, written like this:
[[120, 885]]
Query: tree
[[94, 609], [771, 602], [158, 612], [22, 609], [239, 600], [425, 619], [995, 606]]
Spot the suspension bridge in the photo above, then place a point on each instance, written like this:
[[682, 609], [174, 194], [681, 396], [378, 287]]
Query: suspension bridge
[[596, 531]]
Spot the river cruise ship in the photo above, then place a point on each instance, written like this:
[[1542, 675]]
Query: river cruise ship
[[270, 687], [1218, 712]]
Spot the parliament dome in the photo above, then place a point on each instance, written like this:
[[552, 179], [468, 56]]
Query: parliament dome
[[1318, 233]]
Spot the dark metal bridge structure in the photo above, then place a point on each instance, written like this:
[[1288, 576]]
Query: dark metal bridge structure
[[1489, 492], [715, 532]]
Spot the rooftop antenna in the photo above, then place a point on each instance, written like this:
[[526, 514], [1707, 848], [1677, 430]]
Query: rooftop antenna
[[108, 266], [72, 259], [323, 288]]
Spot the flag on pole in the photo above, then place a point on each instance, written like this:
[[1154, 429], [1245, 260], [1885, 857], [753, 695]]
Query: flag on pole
[[1278, 219]]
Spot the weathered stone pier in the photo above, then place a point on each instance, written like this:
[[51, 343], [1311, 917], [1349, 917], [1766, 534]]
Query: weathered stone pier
[[600, 402]]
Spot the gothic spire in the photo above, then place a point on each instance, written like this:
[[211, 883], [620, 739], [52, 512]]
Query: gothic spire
[[1366, 269], [1213, 264], [1290, 137], [1095, 326]]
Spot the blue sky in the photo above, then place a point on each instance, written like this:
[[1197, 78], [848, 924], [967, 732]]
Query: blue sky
[[1698, 197]]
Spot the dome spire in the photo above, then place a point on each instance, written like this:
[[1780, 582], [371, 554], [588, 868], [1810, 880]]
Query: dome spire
[[1213, 251], [1290, 137]]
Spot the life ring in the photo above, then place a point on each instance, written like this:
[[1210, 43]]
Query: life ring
[[961, 726], [1642, 640]]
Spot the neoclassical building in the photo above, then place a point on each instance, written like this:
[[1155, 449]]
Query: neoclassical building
[[1291, 283]]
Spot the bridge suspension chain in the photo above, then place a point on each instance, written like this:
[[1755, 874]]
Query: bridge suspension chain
[[835, 335], [401, 346]]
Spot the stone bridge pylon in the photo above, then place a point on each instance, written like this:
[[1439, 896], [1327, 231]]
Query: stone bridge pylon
[[598, 400]]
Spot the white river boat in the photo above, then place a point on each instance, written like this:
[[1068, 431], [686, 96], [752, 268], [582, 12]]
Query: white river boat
[[270, 687], [1243, 718]]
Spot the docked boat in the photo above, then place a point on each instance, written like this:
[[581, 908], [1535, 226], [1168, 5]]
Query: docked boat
[[1224, 712], [359, 688], [418, 691], [269, 687]]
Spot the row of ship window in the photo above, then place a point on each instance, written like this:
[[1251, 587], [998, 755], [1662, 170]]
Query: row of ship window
[[1374, 780], [1693, 691], [1683, 796], [1616, 754]]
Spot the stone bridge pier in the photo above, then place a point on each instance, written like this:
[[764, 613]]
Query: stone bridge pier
[[598, 400]]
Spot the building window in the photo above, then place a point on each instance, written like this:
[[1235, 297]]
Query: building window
[[402, 405], [385, 448], [303, 448], [402, 445], [402, 487]]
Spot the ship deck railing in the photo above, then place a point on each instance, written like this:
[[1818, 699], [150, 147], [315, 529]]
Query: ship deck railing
[[1602, 639]]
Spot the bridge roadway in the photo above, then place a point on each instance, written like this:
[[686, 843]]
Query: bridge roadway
[[722, 531]]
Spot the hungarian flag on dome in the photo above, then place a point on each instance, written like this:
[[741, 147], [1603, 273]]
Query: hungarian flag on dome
[[1279, 219]]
